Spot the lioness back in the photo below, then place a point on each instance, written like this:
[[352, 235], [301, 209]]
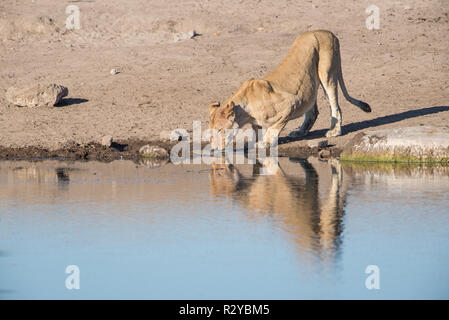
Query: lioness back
[[301, 61]]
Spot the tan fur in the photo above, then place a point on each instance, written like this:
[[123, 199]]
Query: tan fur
[[291, 197], [289, 91]]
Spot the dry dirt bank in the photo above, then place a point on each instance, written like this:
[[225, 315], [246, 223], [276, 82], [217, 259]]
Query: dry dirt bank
[[401, 70]]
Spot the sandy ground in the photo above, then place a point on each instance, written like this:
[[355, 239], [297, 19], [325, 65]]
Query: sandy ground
[[401, 70]]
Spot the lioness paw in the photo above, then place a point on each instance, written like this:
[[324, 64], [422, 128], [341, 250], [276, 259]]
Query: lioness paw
[[333, 133]]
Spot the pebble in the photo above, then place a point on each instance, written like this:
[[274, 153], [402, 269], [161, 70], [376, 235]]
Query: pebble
[[318, 144], [106, 141], [192, 34], [165, 135], [185, 35], [324, 154]]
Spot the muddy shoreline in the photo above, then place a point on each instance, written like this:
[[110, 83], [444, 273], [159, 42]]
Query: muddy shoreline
[[121, 149], [128, 149]]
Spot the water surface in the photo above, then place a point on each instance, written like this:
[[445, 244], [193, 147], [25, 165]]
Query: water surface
[[223, 232]]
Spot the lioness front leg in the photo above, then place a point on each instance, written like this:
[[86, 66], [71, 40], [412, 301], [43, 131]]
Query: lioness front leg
[[271, 136], [309, 121]]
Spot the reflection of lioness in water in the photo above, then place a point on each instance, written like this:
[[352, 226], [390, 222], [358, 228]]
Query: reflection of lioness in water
[[289, 91], [292, 200]]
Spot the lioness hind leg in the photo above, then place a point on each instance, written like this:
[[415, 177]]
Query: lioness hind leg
[[328, 70], [309, 121], [329, 84]]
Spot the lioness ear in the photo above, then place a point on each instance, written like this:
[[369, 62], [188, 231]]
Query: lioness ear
[[230, 111], [213, 106]]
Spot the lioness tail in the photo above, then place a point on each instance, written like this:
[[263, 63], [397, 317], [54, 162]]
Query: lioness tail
[[362, 105]]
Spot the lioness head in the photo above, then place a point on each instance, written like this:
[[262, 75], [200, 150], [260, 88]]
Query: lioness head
[[221, 119]]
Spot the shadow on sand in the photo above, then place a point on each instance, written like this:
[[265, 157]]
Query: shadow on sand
[[356, 126], [70, 101]]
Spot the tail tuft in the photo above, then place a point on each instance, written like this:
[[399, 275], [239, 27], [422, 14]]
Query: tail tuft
[[365, 106]]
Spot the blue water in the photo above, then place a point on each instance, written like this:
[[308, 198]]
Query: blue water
[[193, 232]]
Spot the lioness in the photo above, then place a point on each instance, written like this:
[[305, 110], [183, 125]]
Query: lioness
[[288, 92], [306, 204]]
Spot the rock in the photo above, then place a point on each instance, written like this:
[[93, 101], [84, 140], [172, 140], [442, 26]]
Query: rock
[[192, 34], [165, 134], [185, 35], [36, 96], [154, 152], [408, 144], [323, 144], [114, 71], [106, 141], [318, 144], [324, 154]]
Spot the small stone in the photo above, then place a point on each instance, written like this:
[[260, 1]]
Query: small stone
[[323, 144], [180, 134], [192, 34], [153, 152], [318, 144], [106, 141], [114, 71], [185, 35], [36, 96], [324, 154]]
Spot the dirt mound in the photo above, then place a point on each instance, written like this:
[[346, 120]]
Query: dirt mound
[[20, 28]]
